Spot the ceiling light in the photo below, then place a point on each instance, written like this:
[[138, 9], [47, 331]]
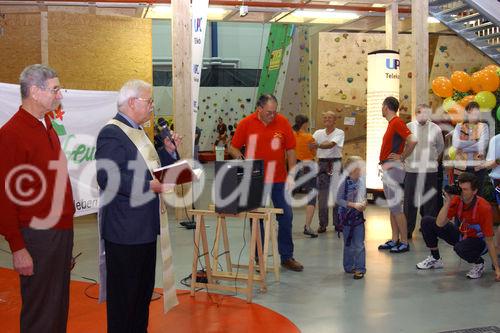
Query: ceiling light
[[325, 14], [162, 9], [431, 19]]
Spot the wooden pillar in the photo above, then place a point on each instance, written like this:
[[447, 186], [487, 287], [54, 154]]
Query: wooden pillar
[[420, 54], [181, 88], [391, 26], [44, 36], [181, 74]]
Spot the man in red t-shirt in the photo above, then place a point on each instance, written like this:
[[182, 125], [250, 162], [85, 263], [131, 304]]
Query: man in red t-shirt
[[37, 216], [397, 144], [268, 136], [471, 234]]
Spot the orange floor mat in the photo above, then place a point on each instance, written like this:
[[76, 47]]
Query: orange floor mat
[[202, 313]]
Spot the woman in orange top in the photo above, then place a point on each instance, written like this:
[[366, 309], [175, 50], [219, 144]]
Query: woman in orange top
[[305, 152]]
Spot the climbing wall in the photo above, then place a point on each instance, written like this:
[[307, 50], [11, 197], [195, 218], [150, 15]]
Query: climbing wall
[[342, 70], [277, 50], [294, 95], [342, 78]]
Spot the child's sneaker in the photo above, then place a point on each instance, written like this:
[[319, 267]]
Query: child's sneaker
[[358, 275], [476, 271], [388, 245], [430, 263], [400, 248]]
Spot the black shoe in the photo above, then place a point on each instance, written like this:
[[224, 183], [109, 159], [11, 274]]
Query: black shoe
[[309, 232]]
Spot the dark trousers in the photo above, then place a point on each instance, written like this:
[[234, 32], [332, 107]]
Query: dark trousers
[[45, 294], [428, 208], [469, 249], [130, 282], [328, 171]]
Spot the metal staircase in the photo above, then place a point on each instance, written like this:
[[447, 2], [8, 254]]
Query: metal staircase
[[477, 21]]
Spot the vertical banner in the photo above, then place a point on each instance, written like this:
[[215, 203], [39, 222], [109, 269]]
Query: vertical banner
[[199, 12], [383, 81]]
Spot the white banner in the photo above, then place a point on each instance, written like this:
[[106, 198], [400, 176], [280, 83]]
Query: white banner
[[383, 81], [199, 20], [82, 114]]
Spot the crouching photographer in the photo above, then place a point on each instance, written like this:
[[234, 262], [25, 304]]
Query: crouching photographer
[[466, 222]]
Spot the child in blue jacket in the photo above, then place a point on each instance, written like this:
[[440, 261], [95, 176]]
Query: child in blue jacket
[[351, 199]]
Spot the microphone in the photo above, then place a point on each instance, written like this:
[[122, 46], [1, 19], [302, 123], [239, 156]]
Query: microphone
[[165, 131]]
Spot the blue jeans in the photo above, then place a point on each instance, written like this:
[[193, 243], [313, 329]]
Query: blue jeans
[[285, 243], [354, 255]]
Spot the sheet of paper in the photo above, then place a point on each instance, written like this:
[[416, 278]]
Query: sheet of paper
[[350, 121]]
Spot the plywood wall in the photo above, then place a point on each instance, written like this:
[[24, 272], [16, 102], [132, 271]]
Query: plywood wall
[[99, 52], [19, 44], [93, 52]]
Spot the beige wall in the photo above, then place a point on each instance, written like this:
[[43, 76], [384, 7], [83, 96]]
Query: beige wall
[[88, 51], [99, 52], [19, 45]]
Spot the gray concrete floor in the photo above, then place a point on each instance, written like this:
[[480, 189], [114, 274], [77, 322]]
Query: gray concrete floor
[[393, 297]]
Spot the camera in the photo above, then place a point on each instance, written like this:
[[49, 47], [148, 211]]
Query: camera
[[453, 189]]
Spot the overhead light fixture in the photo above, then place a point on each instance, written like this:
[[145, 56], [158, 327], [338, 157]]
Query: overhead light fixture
[[432, 19], [162, 9], [325, 14], [243, 11], [378, 5]]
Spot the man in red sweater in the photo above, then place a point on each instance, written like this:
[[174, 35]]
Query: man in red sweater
[[37, 204]]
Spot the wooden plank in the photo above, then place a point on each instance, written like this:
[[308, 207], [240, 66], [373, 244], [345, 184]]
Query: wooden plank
[[181, 84], [241, 277], [391, 26], [420, 55], [181, 74], [264, 210], [229, 265], [44, 37]]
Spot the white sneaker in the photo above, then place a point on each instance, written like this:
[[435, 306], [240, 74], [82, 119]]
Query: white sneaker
[[476, 271], [430, 262]]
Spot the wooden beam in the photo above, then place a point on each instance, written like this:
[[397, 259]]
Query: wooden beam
[[44, 36], [181, 70], [391, 26], [181, 89], [420, 54]]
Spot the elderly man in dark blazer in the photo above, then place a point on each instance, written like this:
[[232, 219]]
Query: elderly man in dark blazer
[[130, 212]]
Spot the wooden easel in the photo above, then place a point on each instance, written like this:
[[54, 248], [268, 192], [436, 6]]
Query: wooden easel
[[233, 272]]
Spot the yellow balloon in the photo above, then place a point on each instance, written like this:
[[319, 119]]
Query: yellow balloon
[[452, 153]]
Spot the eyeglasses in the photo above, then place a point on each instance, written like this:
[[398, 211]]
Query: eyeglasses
[[149, 101], [53, 91]]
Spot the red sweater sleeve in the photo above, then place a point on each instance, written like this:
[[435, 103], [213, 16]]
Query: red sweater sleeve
[[9, 225]]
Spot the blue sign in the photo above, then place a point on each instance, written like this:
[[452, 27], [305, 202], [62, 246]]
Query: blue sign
[[392, 63]]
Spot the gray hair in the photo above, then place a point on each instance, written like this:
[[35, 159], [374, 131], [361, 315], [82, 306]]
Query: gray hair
[[424, 107], [130, 90], [35, 75]]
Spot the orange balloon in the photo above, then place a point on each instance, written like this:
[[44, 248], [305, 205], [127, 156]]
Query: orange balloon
[[466, 100], [456, 114], [475, 84], [460, 81], [488, 80], [442, 87], [491, 68]]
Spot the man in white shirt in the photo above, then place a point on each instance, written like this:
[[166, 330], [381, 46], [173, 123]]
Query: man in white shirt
[[421, 166], [329, 142]]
